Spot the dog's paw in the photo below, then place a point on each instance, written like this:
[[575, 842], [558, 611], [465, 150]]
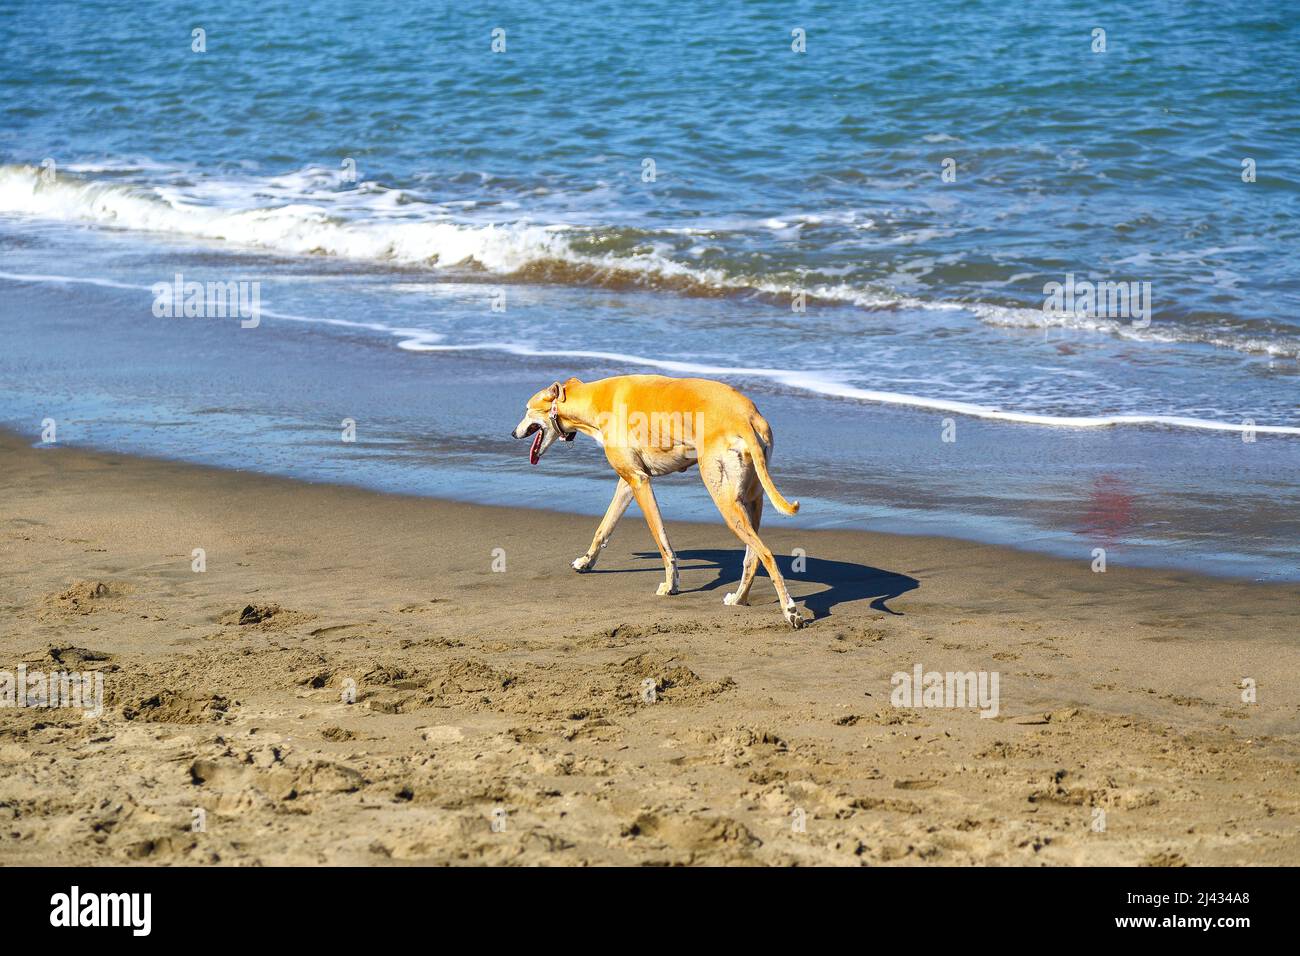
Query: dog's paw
[[665, 589], [583, 563], [734, 600], [793, 617]]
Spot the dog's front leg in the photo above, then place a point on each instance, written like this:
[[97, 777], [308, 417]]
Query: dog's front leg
[[645, 497], [622, 498]]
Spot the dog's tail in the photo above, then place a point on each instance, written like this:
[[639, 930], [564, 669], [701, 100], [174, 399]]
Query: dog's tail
[[759, 444]]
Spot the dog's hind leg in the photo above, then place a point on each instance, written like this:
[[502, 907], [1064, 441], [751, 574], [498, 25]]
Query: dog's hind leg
[[754, 505], [622, 498], [727, 497], [645, 497]]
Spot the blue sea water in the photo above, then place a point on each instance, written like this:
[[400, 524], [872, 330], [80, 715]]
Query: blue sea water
[[658, 186]]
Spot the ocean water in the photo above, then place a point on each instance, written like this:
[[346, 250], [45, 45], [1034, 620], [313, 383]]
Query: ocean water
[[863, 235]]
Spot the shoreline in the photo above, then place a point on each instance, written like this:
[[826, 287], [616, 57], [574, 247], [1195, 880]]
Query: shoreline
[[432, 423], [521, 691]]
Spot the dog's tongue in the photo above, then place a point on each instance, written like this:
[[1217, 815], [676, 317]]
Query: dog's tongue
[[537, 443]]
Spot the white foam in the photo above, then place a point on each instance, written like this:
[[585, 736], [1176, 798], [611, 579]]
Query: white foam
[[372, 223], [296, 227]]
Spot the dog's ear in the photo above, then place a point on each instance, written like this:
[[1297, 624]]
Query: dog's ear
[[557, 392], [570, 382]]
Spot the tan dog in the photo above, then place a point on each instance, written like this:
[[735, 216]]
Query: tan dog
[[651, 425]]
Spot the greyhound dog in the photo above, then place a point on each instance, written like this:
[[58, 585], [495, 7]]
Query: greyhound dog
[[651, 425]]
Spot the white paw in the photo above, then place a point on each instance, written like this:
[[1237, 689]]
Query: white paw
[[582, 563], [666, 588], [793, 617], [734, 600]]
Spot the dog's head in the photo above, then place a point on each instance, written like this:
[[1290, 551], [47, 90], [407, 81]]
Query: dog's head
[[542, 419]]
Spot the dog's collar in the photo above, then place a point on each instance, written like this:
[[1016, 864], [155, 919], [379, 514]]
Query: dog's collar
[[555, 420]]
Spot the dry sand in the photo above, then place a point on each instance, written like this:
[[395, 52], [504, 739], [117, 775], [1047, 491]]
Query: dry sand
[[516, 696]]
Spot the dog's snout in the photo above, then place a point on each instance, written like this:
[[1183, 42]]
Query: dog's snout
[[532, 427]]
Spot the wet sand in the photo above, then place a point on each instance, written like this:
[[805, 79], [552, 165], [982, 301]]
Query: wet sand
[[500, 716]]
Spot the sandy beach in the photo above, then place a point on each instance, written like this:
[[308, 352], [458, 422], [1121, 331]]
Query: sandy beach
[[503, 716]]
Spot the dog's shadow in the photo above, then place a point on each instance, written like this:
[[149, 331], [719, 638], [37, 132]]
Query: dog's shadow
[[844, 580]]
